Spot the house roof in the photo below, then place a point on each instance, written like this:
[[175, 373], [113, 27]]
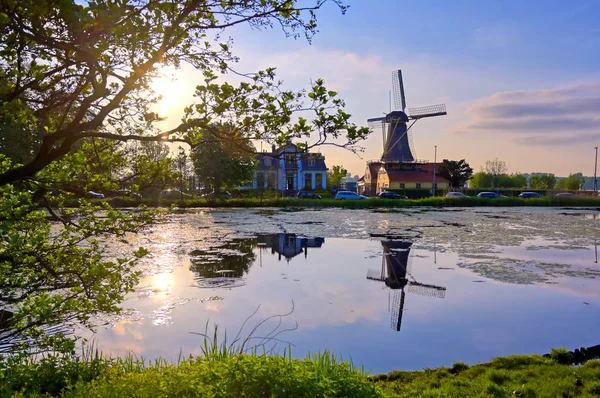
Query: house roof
[[319, 162], [263, 165], [424, 173]]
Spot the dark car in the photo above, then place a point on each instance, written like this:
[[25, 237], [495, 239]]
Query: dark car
[[308, 195], [530, 195], [491, 195], [391, 195]]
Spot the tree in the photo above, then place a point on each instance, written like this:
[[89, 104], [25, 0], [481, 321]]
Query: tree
[[514, 180], [481, 179], [573, 182], [224, 159], [496, 168], [457, 172], [75, 85], [335, 175], [542, 181]]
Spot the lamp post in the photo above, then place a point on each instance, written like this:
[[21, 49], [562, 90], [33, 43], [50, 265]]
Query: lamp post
[[434, 168], [595, 169]]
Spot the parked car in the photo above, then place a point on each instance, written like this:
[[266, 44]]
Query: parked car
[[220, 195], [530, 195], [128, 193], [391, 195], [341, 195], [174, 194], [491, 195], [457, 195], [308, 195], [94, 195], [565, 194]]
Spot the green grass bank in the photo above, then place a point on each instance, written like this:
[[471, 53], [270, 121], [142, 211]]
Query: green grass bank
[[320, 375], [355, 204]]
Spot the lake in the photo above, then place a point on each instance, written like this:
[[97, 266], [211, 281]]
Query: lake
[[388, 289]]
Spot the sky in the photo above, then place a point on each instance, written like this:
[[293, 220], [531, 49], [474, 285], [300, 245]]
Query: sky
[[520, 79]]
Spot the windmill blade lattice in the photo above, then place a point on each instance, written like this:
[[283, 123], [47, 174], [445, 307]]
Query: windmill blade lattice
[[398, 88]]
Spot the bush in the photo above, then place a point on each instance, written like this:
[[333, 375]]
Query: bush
[[562, 355], [219, 375]]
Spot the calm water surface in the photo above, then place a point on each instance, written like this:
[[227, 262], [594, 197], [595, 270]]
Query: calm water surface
[[390, 290]]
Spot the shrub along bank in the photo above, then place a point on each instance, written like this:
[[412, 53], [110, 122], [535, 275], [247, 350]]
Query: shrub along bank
[[321, 375], [354, 204]]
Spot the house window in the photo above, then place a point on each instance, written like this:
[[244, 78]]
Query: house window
[[312, 162], [418, 185], [270, 180], [402, 186], [260, 180], [267, 162], [319, 180], [307, 180], [290, 158]]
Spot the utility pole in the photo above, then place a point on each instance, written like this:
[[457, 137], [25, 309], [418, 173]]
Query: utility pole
[[434, 168], [595, 169]]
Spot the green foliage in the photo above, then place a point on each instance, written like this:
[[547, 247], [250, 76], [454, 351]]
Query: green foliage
[[483, 179], [513, 376], [562, 355], [573, 182], [223, 158], [233, 375], [457, 172], [542, 181], [335, 175]]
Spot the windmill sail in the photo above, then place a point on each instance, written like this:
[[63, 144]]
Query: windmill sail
[[398, 87]]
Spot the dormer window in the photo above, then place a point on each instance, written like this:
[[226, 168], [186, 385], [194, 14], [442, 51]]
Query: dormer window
[[312, 161], [267, 161]]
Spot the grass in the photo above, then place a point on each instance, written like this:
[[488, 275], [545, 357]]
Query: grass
[[222, 372], [360, 204], [513, 376]]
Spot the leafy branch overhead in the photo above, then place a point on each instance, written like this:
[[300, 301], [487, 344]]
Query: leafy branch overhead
[[72, 71], [77, 113]]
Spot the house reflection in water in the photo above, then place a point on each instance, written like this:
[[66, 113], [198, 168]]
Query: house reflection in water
[[395, 269], [288, 245]]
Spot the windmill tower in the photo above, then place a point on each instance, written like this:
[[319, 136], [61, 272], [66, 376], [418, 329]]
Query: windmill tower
[[394, 272], [395, 126]]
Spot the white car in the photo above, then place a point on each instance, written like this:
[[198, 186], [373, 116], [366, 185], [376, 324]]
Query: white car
[[341, 195], [456, 195]]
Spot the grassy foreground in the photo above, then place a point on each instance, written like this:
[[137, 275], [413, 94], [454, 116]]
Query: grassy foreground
[[321, 375], [356, 204]]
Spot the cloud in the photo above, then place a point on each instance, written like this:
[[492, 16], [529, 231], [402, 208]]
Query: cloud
[[558, 116]]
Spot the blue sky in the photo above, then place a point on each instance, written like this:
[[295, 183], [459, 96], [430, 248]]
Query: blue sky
[[521, 79]]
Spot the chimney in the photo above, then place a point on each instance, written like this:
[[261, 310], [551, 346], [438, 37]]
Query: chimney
[[273, 148]]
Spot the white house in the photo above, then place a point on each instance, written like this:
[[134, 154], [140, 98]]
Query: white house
[[286, 168]]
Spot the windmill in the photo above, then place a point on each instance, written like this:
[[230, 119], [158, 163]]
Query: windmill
[[394, 272], [397, 137]]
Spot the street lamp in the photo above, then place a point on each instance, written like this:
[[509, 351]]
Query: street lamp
[[434, 168], [596, 168]]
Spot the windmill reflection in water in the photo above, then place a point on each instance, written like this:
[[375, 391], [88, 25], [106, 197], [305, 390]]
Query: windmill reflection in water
[[395, 272]]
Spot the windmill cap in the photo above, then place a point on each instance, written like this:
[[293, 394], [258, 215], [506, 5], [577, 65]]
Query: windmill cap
[[395, 115]]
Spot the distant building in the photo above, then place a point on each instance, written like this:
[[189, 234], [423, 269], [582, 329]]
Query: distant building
[[409, 176], [289, 169], [368, 186]]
